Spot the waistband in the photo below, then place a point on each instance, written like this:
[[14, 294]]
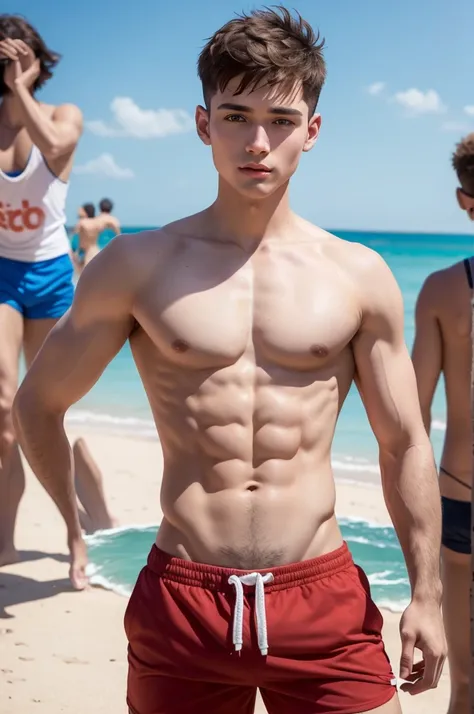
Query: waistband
[[25, 264], [212, 577]]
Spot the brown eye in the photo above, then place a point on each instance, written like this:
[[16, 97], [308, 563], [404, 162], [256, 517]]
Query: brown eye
[[234, 118]]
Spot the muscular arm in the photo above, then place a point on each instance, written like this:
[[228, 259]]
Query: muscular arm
[[387, 384], [427, 353], [114, 225], [71, 360], [55, 136]]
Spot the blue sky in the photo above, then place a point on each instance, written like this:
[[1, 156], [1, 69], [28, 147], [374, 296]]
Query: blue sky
[[398, 97]]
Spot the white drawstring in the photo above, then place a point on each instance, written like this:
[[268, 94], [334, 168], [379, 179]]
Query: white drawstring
[[259, 581]]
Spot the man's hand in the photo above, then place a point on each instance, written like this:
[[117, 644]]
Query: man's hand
[[24, 67], [77, 571], [421, 626]]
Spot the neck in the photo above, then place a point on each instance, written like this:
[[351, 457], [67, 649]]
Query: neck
[[247, 221], [11, 113]]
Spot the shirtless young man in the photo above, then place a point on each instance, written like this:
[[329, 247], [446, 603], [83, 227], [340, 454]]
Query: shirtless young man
[[248, 325], [37, 145], [443, 345], [110, 221], [89, 229]]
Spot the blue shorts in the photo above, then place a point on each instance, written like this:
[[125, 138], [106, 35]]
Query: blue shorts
[[37, 290]]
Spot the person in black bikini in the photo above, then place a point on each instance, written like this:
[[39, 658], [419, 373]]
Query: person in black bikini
[[443, 345]]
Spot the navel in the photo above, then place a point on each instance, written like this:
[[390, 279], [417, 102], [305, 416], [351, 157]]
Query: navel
[[180, 346]]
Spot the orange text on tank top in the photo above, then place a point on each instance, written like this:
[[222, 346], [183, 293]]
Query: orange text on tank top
[[25, 218]]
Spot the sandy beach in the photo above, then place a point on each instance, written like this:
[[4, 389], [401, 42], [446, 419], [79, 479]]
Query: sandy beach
[[63, 651]]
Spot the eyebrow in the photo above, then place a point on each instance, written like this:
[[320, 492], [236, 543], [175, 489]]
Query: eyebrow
[[282, 111]]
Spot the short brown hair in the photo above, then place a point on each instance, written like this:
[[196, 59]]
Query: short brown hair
[[463, 163], [265, 47], [16, 27]]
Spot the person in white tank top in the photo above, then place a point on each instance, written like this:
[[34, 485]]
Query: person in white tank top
[[38, 142]]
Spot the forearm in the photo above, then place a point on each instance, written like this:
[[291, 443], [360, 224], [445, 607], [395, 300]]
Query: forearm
[[47, 450], [42, 130], [412, 496]]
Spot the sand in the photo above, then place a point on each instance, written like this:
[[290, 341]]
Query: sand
[[64, 651]]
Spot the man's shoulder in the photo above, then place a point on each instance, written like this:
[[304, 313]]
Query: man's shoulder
[[137, 243], [445, 279], [126, 263], [443, 287], [140, 250], [356, 258]]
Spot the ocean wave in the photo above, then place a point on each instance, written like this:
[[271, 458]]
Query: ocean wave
[[395, 606], [438, 425], [348, 465], [95, 578], [383, 579], [132, 425], [355, 520], [102, 536], [365, 541]]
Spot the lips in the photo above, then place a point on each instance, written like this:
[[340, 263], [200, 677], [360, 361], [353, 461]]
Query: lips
[[256, 167]]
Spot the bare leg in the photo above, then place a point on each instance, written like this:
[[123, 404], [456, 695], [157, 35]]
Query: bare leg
[[35, 334], [391, 707], [456, 573], [91, 253], [88, 477], [89, 488], [84, 520], [272, 701], [12, 476]]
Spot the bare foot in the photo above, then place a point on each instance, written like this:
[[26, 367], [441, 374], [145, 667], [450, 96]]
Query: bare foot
[[9, 556]]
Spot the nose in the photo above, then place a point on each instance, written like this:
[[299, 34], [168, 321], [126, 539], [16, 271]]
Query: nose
[[258, 142]]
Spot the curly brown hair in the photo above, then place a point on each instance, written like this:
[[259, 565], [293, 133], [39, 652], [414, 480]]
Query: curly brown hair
[[16, 27], [265, 47], [463, 163]]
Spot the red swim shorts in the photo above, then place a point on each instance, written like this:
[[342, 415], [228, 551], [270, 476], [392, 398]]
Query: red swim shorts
[[202, 639]]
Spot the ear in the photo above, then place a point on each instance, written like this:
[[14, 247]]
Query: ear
[[466, 203], [313, 132], [202, 125], [461, 199]]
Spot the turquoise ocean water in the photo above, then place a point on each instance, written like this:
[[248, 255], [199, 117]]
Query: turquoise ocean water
[[118, 404]]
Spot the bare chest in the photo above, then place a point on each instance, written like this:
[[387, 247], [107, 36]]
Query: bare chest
[[279, 311]]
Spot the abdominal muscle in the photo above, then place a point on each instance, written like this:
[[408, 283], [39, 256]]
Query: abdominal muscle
[[247, 482]]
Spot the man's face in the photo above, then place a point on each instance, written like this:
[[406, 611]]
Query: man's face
[[257, 137]]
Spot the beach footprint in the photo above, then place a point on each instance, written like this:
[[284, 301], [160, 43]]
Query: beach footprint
[[71, 660]]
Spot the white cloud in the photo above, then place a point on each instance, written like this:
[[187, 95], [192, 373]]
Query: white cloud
[[457, 126], [417, 102], [99, 127], [376, 88], [104, 165], [469, 110], [132, 121]]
